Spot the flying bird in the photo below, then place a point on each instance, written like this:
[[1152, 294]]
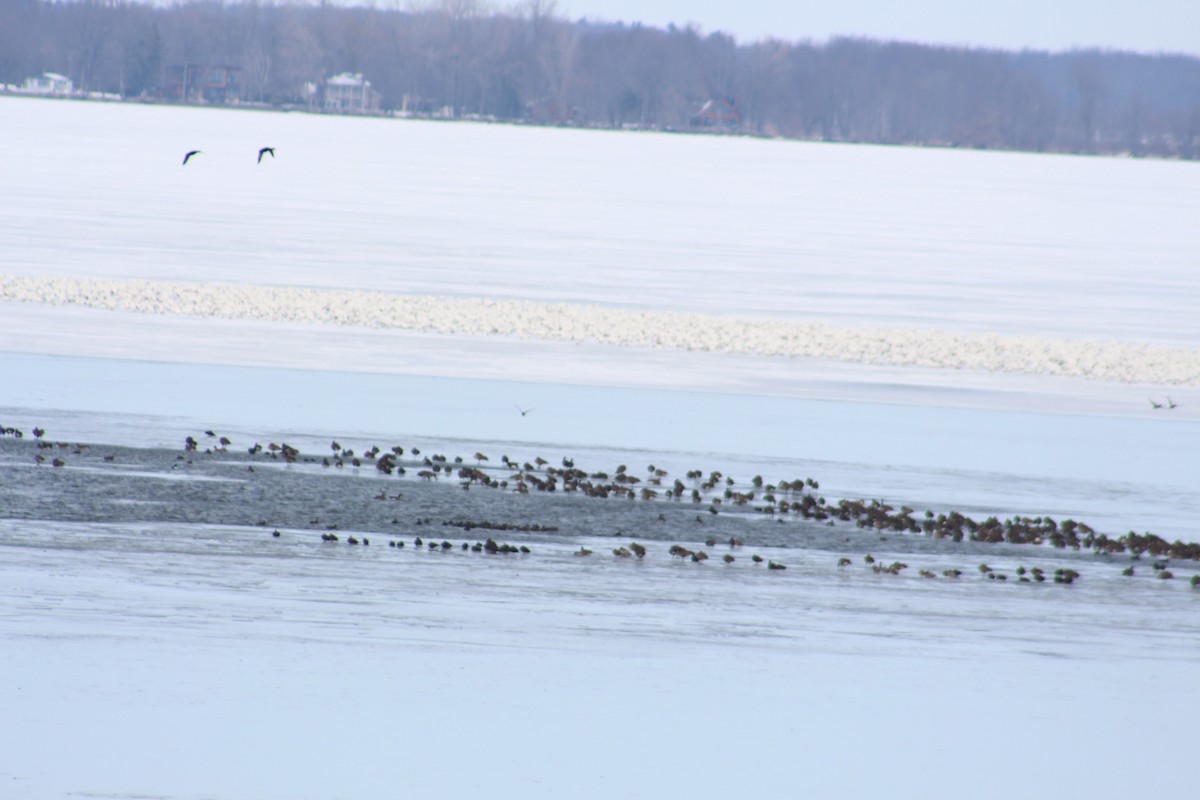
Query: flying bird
[[1155, 405], [264, 150], [523, 411], [1171, 403], [191, 153]]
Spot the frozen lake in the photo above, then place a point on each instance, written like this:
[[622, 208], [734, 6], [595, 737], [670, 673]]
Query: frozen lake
[[156, 629], [998, 242], [156, 642]]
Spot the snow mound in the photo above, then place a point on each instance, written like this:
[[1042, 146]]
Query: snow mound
[[1125, 362]]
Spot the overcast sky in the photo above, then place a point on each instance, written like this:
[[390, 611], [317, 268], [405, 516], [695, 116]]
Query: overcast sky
[[1141, 25]]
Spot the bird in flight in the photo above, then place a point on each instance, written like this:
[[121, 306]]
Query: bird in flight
[[1171, 403], [523, 411], [191, 153], [264, 150], [1155, 405]]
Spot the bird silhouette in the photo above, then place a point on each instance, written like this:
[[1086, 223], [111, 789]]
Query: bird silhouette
[[1155, 405], [523, 411], [1171, 403], [191, 153], [263, 150]]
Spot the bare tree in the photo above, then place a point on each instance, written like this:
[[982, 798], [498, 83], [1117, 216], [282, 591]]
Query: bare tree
[[92, 24], [1090, 89]]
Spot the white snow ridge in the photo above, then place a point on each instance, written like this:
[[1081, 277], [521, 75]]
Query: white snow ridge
[[1125, 362]]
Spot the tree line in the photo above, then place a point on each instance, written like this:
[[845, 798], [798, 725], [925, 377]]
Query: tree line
[[465, 58]]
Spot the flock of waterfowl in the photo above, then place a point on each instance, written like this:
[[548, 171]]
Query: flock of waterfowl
[[714, 491]]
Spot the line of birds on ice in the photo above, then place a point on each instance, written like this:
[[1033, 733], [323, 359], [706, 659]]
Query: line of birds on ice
[[875, 516], [262, 151]]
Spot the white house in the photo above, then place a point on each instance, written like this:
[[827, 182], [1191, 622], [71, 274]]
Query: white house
[[349, 91], [50, 83]]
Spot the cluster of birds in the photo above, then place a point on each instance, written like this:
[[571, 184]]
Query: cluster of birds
[[1031, 575], [262, 151], [634, 550], [797, 496], [491, 546], [190, 443], [1161, 572], [1170, 403]]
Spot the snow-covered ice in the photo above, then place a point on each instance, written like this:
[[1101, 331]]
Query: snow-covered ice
[[144, 658]]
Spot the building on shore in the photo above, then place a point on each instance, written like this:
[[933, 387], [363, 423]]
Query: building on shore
[[49, 84], [350, 93], [718, 113]]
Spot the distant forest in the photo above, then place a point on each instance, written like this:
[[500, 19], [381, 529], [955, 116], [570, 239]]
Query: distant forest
[[466, 58]]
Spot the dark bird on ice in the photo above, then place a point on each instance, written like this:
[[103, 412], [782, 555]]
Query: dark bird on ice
[[191, 153], [264, 150]]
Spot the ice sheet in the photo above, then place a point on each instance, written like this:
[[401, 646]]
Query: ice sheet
[[187, 661]]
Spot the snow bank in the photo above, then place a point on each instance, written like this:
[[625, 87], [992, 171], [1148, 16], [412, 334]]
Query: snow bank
[[1125, 362]]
